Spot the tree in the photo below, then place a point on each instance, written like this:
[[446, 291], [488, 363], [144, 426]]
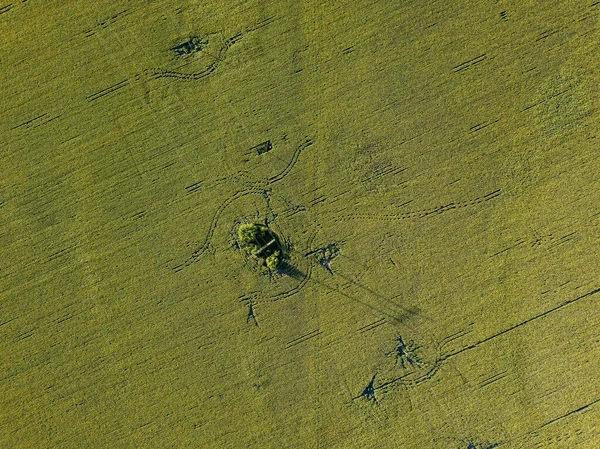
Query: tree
[[260, 243], [247, 233], [273, 261]]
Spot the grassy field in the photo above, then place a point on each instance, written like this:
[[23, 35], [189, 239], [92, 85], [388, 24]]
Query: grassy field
[[442, 154]]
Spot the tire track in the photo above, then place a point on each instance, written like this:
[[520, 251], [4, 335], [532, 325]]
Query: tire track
[[535, 432], [294, 290], [470, 63], [35, 122], [405, 380], [107, 91], [303, 338], [435, 366], [522, 323], [6, 8]]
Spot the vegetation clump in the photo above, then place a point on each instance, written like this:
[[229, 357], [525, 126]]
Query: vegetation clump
[[192, 45], [326, 254], [273, 261], [259, 242]]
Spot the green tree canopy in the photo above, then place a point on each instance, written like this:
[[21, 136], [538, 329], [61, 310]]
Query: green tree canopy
[[273, 261]]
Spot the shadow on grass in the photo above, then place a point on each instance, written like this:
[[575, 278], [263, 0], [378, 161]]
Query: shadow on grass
[[286, 269]]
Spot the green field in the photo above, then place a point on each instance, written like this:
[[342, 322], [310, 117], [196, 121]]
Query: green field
[[429, 172]]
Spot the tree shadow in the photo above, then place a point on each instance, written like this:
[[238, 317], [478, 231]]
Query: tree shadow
[[286, 269]]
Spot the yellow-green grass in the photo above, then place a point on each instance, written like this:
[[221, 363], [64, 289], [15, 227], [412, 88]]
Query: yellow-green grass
[[448, 149]]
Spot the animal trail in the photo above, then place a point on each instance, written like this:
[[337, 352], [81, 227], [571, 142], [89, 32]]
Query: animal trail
[[197, 45], [417, 370], [104, 23], [201, 249], [257, 187], [291, 164], [424, 212], [194, 76], [414, 363], [303, 281]]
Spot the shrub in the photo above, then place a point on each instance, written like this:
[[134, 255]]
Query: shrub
[[259, 242], [273, 261], [248, 233]]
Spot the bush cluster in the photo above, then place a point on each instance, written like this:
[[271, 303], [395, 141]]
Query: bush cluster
[[255, 239]]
